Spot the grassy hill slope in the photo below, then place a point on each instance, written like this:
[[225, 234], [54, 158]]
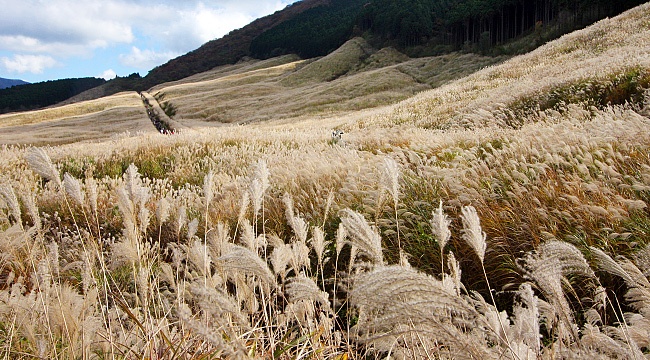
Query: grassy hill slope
[[87, 120], [501, 215]]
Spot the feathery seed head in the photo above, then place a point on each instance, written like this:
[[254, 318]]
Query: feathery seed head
[[181, 219], [363, 236], [208, 184], [40, 162], [280, 259], [91, 189], [302, 288], [73, 188], [192, 228], [8, 195], [318, 242], [162, 210], [440, 227], [240, 259], [472, 232], [390, 174]]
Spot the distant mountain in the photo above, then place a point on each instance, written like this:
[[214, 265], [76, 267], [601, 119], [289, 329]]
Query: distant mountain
[[6, 83]]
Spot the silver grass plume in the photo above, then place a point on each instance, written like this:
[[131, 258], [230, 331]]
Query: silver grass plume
[[261, 173], [208, 185], [318, 243], [218, 239], [548, 268], [240, 259], [247, 237], [8, 195], [199, 258], [144, 215], [299, 256], [390, 174], [181, 219], [440, 227], [258, 185], [638, 293], [303, 288], [29, 201], [41, 163], [454, 273], [217, 303], [243, 207], [472, 232], [162, 210], [280, 259], [341, 237], [365, 237], [73, 189], [91, 190], [297, 223], [132, 180], [192, 228], [397, 303], [127, 209], [525, 327]]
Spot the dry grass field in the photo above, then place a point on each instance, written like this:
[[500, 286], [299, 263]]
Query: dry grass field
[[88, 120], [503, 215]]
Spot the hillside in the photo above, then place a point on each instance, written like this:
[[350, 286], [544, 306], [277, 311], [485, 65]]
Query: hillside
[[313, 28], [43, 94], [500, 212], [224, 51], [6, 83], [97, 119]]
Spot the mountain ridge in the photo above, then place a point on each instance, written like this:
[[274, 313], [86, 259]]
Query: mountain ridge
[[7, 83]]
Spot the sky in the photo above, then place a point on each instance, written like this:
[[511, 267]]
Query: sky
[[56, 39]]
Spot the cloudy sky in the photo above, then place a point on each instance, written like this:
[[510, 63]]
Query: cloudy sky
[[54, 39]]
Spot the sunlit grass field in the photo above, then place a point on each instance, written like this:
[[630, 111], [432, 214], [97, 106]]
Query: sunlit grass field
[[500, 215]]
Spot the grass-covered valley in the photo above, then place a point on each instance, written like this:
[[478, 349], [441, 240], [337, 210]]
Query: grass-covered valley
[[473, 207]]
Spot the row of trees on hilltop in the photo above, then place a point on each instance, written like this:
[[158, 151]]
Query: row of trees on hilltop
[[39, 95], [447, 25], [458, 22]]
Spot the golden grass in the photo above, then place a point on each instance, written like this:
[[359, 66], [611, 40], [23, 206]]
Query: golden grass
[[272, 240], [125, 99]]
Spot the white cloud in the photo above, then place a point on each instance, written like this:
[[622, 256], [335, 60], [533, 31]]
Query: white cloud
[[64, 29], [145, 59], [34, 64], [65, 26], [107, 74]]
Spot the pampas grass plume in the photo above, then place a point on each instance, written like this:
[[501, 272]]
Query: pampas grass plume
[[440, 227], [390, 174], [472, 232], [41, 163], [73, 189], [363, 236], [162, 210], [8, 195]]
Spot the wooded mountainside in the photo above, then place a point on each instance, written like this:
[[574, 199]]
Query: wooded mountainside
[[427, 27], [39, 95]]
